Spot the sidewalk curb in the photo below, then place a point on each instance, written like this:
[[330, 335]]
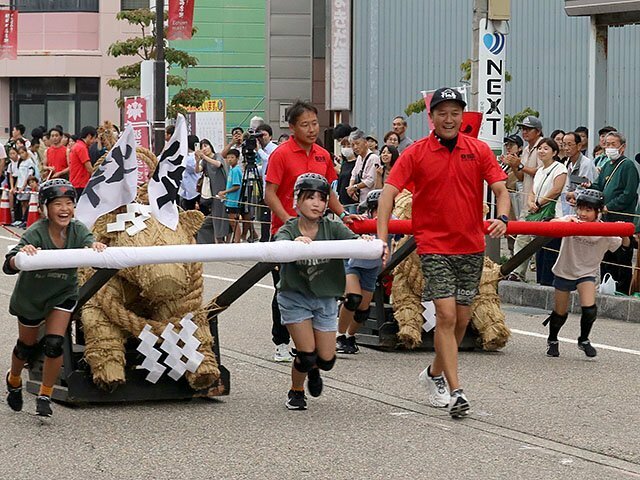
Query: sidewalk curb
[[626, 309]]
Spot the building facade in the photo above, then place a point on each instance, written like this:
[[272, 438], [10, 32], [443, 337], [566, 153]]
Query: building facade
[[62, 69], [401, 48], [231, 49]]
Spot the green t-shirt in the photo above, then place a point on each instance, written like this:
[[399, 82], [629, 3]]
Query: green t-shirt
[[38, 291], [619, 183], [315, 278]]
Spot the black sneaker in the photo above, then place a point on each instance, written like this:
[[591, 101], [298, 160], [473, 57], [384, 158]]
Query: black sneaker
[[314, 382], [553, 350], [43, 406], [587, 348], [351, 347], [458, 405], [14, 396], [295, 400], [341, 343]]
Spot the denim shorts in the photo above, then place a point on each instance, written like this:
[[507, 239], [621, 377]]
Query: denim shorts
[[565, 285], [296, 307], [367, 276]]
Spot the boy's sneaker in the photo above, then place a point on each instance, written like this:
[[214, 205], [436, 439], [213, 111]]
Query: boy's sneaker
[[282, 353], [437, 388], [459, 405], [314, 382], [587, 348], [296, 400], [14, 396], [553, 349], [43, 406], [341, 343]]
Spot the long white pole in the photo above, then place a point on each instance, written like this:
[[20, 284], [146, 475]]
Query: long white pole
[[271, 252]]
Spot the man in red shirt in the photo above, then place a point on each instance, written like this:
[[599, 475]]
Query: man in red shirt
[[448, 170], [56, 159], [300, 154], [80, 167]]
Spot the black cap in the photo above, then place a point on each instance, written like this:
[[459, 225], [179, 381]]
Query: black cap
[[342, 130], [514, 139], [446, 94]]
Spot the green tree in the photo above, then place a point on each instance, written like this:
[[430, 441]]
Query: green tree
[[144, 47]]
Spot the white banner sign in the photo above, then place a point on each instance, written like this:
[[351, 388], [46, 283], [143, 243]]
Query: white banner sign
[[491, 69], [338, 69]]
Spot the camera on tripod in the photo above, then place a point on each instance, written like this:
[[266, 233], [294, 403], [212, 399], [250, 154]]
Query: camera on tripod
[[250, 146]]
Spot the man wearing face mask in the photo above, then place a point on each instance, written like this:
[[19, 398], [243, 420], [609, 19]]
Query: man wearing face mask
[[619, 181]]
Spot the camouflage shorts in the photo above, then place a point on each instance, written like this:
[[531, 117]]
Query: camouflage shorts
[[452, 276]]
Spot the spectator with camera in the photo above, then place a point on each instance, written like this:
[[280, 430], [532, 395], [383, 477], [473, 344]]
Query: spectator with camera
[[267, 146], [363, 177], [580, 169]]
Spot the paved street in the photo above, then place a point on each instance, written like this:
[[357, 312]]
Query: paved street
[[532, 416]]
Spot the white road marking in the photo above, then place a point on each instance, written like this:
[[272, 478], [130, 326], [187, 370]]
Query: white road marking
[[11, 239], [572, 341], [514, 330]]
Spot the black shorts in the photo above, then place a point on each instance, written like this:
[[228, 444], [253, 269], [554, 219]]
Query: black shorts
[[68, 305], [235, 210]]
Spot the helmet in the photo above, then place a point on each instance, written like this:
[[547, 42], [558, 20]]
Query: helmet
[[371, 202], [56, 188], [591, 197], [313, 182]]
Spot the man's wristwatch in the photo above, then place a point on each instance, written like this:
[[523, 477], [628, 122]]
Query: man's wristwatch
[[520, 167], [503, 218], [343, 214]]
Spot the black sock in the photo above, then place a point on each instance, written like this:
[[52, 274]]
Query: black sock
[[586, 322]]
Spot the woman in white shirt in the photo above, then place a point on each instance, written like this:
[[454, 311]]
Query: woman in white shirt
[[547, 186]]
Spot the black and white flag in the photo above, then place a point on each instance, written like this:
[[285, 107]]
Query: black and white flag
[[165, 181], [113, 184]]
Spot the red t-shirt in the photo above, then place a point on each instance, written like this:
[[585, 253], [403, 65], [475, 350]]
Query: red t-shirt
[[448, 193], [287, 163], [57, 157], [79, 155]]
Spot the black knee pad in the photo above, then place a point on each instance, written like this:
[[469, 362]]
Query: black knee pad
[[556, 319], [24, 352], [352, 301], [304, 361], [326, 365], [361, 316], [52, 345], [589, 314]]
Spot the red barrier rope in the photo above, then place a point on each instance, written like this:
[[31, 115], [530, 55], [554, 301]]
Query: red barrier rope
[[543, 229]]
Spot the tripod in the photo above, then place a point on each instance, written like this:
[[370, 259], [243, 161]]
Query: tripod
[[251, 194]]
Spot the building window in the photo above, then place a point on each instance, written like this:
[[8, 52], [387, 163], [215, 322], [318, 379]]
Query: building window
[[319, 28], [133, 4], [69, 102], [26, 6]]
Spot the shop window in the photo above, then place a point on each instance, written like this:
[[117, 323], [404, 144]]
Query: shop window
[[133, 4], [26, 6]]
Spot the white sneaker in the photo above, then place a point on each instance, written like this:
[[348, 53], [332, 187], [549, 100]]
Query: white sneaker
[[282, 353], [437, 389], [459, 405]]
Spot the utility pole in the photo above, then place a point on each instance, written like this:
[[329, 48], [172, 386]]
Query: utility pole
[[480, 10], [159, 114]]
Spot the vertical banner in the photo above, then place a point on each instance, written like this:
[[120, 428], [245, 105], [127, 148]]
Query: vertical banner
[[180, 24], [9, 34], [491, 68], [338, 64]]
